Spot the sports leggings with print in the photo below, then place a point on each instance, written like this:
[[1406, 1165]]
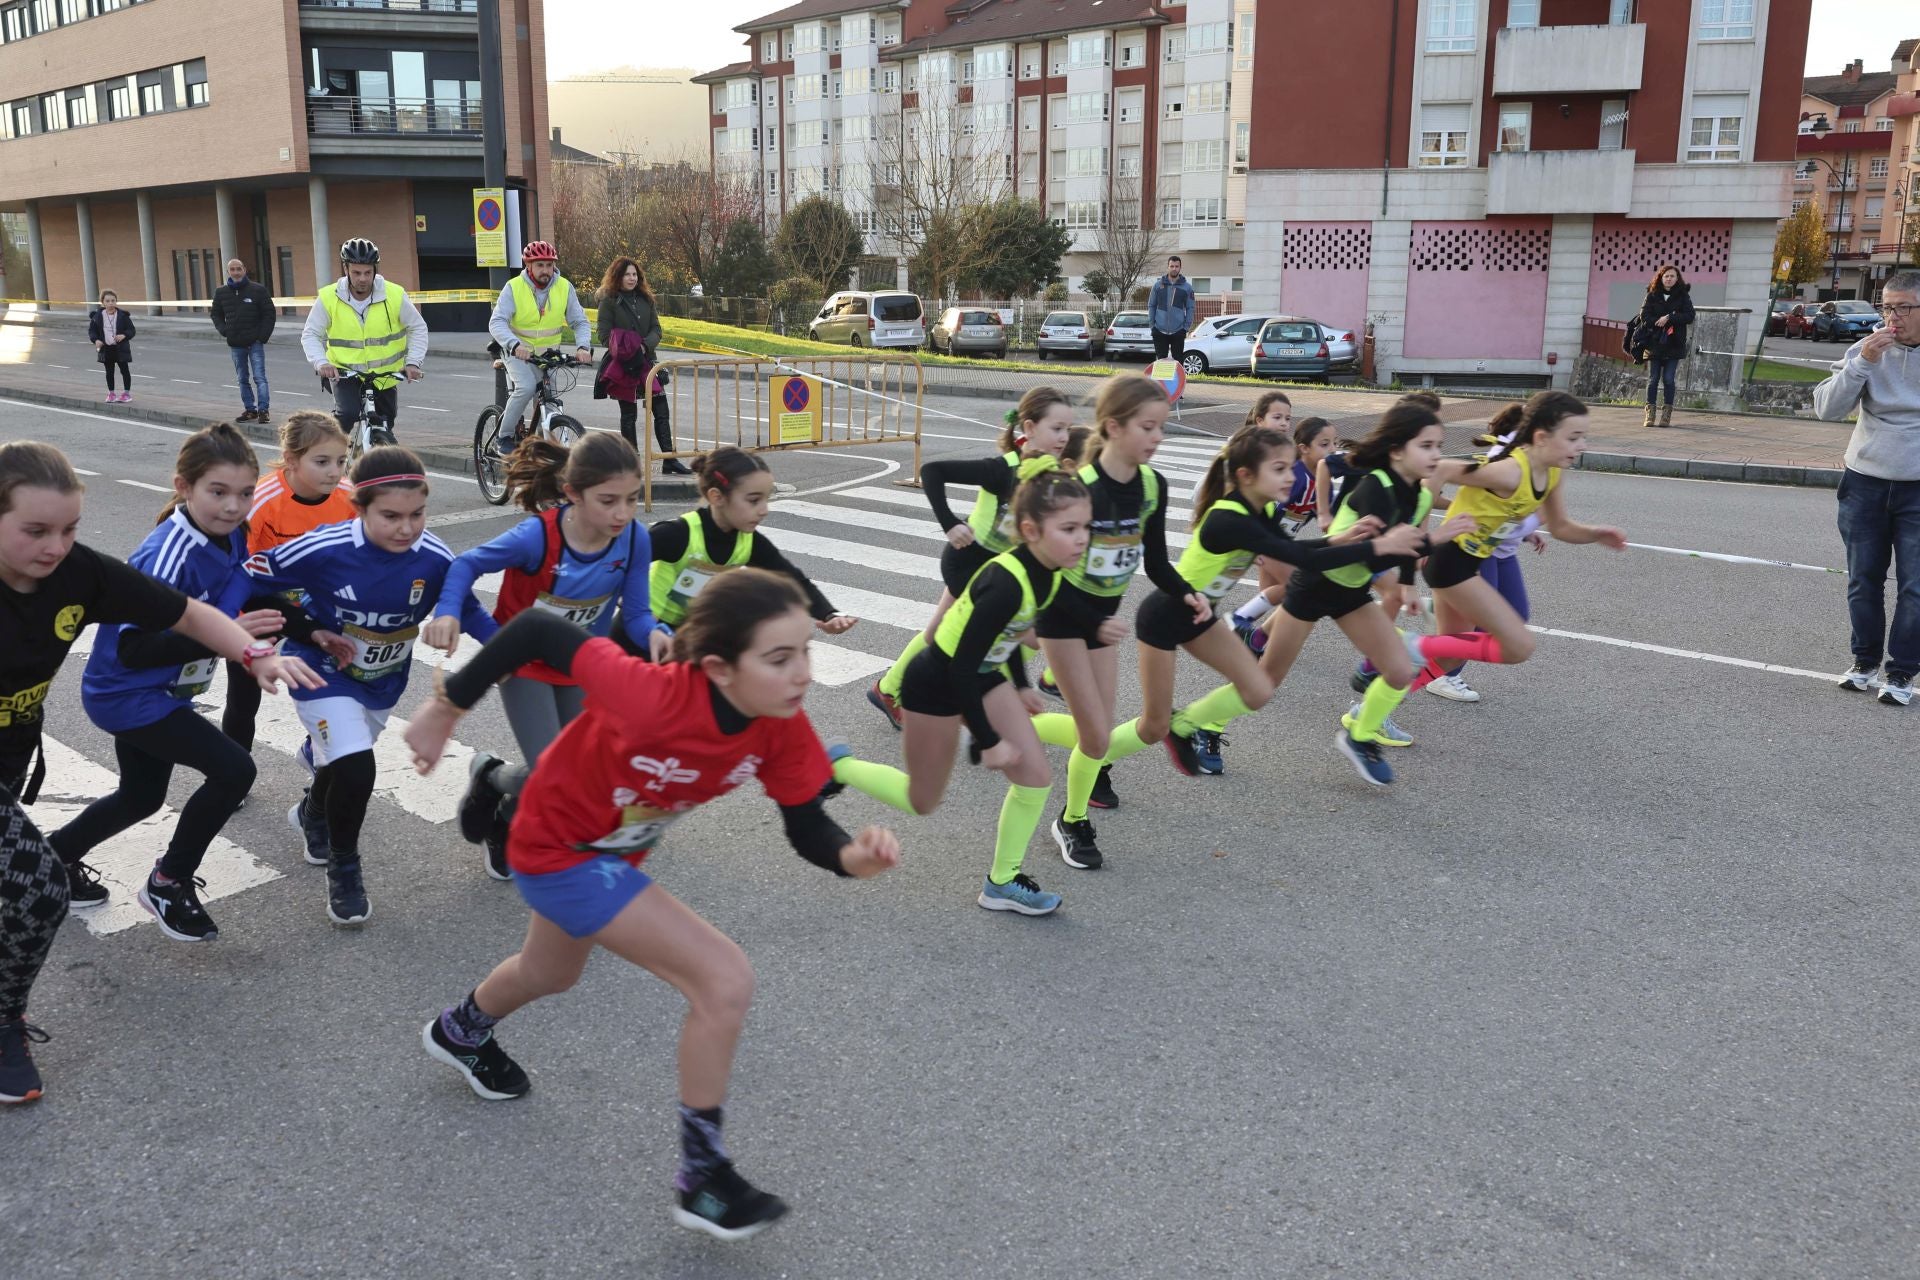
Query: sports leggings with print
[[33, 902]]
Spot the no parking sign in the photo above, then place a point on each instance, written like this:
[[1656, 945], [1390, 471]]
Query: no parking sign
[[489, 227], [793, 407], [1171, 375]]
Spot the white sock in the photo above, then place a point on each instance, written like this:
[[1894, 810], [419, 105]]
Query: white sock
[[1254, 609]]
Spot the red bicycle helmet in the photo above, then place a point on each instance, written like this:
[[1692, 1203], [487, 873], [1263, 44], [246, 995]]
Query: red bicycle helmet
[[539, 251]]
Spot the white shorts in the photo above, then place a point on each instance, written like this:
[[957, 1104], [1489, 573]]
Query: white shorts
[[340, 726]]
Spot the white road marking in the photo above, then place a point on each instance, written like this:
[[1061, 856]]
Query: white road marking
[[187, 382], [427, 408], [68, 368], [142, 484], [1695, 654], [469, 517], [871, 606], [82, 471]]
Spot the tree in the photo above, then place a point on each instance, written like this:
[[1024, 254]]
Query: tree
[[1803, 239], [690, 208], [1910, 248], [791, 301], [818, 239], [1015, 248], [940, 162], [1127, 248], [743, 265], [1100, 285]]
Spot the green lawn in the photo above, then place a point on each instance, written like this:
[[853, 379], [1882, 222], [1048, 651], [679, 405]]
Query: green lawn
[[1776, 371]]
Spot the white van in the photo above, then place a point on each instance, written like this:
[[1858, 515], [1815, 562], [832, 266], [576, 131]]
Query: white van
[[876, 318]]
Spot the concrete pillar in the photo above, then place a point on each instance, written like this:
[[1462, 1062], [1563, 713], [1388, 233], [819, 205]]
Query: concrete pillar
[[1568, 270], [229, 239], [149, 253], [89, 271], [323, 245], [36, 251]]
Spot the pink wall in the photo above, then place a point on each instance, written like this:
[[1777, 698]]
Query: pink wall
[[1478, 290], [1627, 251], [1323, 272]]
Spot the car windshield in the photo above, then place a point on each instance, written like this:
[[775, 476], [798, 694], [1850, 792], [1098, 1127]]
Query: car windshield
[[979, 317], [1291, 332], [1855, 309], [1130, 320], [1061, 319], [896, 306]]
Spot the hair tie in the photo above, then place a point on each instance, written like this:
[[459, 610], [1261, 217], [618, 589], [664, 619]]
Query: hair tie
[[1038, 466], [720, 480], [404, 477], [1011, 417]]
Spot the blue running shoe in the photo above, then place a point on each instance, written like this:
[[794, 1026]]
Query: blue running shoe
[[1206, 751], [306, 755], [1019, 894], [313, 832], [1363, 676], [837, 750], [1365, 757], [1251, 636], [1391, 734]]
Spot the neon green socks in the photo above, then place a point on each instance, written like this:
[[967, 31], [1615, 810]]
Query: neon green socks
[[1379, 703], [890, 682], [1125, 742], [881, 781], [1056, 729], [1083, 771], [1020, 815], [1212, 712]]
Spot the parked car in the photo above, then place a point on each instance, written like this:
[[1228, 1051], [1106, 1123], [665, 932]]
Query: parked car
[[1777, 317], [1799, 323], [1129, 333], [1223, 344], [1844, 321], [963, 331], [882, 318], [1069, 333], [1288, 347]]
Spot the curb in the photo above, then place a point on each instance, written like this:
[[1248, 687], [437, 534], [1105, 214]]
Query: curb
[[1709, 469]]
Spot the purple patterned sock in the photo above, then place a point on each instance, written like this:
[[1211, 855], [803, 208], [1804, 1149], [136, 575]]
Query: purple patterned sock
[[467, 1024], [701, 1150]]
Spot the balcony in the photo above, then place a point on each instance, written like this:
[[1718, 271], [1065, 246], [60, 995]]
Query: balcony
[[391, 17], [1559, 181], [414, 129], [1574, 59]]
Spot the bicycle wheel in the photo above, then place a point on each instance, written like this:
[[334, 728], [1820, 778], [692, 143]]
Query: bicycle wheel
[[489, 466], [564, 431]]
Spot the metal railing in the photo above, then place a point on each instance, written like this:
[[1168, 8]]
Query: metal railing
[[345, 115], [1603, 338], [398, 6]]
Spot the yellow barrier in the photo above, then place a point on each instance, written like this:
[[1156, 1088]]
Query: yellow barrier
[[866, 398], [304, 300]]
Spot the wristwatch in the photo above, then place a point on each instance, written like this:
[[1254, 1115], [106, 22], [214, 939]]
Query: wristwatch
[[257, 650]]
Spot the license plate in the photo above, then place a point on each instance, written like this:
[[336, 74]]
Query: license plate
[[978, 331], [1293, 351]]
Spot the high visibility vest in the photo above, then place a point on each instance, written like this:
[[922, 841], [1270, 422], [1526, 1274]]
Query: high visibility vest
[[539, 327], [375, 348]]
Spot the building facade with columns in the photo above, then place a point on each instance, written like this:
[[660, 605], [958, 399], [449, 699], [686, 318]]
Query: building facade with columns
[[149, 141], [1496, 169]]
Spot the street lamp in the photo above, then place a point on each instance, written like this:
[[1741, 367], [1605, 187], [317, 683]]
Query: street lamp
[[1820, 128]]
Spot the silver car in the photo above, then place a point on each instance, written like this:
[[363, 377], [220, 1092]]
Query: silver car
[[1129, 333], [1069, 333], [1223, 344], [882, 318]]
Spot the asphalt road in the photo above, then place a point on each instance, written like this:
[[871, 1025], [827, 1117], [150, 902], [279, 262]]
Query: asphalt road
[[1617, 980]]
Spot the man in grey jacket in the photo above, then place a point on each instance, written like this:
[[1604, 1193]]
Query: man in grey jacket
[[533, 314], [1880, 491], [1170, 312]]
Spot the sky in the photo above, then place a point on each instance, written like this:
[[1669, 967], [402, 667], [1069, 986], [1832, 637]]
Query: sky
[[585, 36]]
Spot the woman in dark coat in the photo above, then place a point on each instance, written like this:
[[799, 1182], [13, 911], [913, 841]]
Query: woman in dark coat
[[110, 330], [1664, 318], [627, 303]]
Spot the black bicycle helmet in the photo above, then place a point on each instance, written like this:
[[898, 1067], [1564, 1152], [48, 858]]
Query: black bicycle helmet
[[360, 252]]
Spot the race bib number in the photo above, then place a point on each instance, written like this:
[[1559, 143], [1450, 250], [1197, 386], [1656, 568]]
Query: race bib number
[[691, 581], [377, 654], [1111, 560], [582, 613], [195, 678], [1294, 524], [640, 828], [1505, 530], [1002, 650]]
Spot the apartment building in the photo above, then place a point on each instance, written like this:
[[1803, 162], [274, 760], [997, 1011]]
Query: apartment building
[[1485, 172], [1858, 166], [148, 141], [1115, 115]]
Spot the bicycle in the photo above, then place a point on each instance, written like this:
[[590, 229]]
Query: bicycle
[[555, 368], [368, 431]]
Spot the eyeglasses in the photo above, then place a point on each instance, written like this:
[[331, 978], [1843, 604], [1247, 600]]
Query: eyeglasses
[[1899, 310]]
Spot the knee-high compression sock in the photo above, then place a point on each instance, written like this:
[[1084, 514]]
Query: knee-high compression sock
[[1020, 816], [1470, 646], [1125, 742], [1211, 712], [1056, 729], [881, 781], [1380, 700], [1083, 771], [890, 682]]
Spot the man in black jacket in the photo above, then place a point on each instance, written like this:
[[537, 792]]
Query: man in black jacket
[[243, 315]]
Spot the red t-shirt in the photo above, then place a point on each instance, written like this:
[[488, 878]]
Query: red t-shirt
[[644, 751]]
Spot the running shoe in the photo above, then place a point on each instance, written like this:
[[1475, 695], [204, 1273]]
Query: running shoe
[[481, 801], [84, 888], [1391, 734], [1049, 688], [1365, 757], [1103, 795], [837, 750], [1897, 690], [306, 756], [1076, 841], [346, 896], [885, 704], [313, 832], [1181, 751], [1251, 636], [496, 841], [178, 909], [486, 1067], [1453, 688], [1206, 748], [1019, 894], [728, 1207], [1363, 675], [19, 1078], [1860, 677]]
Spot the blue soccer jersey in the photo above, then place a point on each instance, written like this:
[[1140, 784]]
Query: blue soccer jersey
[[375, 598], [117, 697], [551, 576]]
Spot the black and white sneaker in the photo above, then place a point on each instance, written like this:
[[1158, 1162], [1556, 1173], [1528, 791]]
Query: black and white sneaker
[[1897, 689], [1075, 839], [19, 1078], [1859, 677], [1180, 749], [482, 799], [346, 895], [488, 1070], [177, 907], [84, 888], [496, 842], [728, 1207], [1103, 795], [313, 832]]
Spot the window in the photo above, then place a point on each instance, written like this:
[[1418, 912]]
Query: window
[[773, 139], [1169, 213], [990, 64], [1620, 13], [1202, 98], [857, 29], [1208, 37], [836, 84], [1203, 157], [1613, 124], [1242, 138], [1173, 45], [1450, 25], [120, 102], [1132, 106], [1133, 49], [1172, 101], [1201, 284], [1127, 163], [809, 88], [773, 182], [1718, 120], [1088, 50], [770, 49], [889, 30], [53, 113], [1086, 213], [741, 93], [1057, 110], [806, 38], [1243, 43], [1523, 13], [16, 23], [991, 118], [43, 15], [1086, 162], [793, 136], [1877, 167], [1201, 213], [1797, 205], [1851, 126], [1029, 70], [79, 108], [23, 120], [1085, 108], [1057, 58], [1875, 204], [1443, 135], [72, 11], [1882, 124], [1726, 19], [889, 80], [1516, 126]]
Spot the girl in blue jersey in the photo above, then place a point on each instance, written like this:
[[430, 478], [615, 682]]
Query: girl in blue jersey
[[580, 556], [140, 685], [369, 583]]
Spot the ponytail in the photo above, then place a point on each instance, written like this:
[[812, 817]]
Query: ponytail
[[1517, 425], [540, 471], [1246, 448], [1033, 406]]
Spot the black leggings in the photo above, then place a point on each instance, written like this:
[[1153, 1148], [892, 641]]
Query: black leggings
[[147, 756], [342, 790], [662, 423], [126, 373], [33, 902], [243, 706]]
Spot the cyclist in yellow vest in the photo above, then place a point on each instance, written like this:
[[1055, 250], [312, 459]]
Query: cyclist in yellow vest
[[534, 313], [364, 328]]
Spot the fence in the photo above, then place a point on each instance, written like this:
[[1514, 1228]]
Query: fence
[[347, 114], [1603, 338], [873, 397]]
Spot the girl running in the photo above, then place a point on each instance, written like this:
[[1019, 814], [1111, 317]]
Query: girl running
[[974, 673], [1038, 425], [1313, 439], [140, 685], [368, 584], [1077, 631], [305, 491], [654, 742], [52, 587], [580, 555], [690, 552]]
